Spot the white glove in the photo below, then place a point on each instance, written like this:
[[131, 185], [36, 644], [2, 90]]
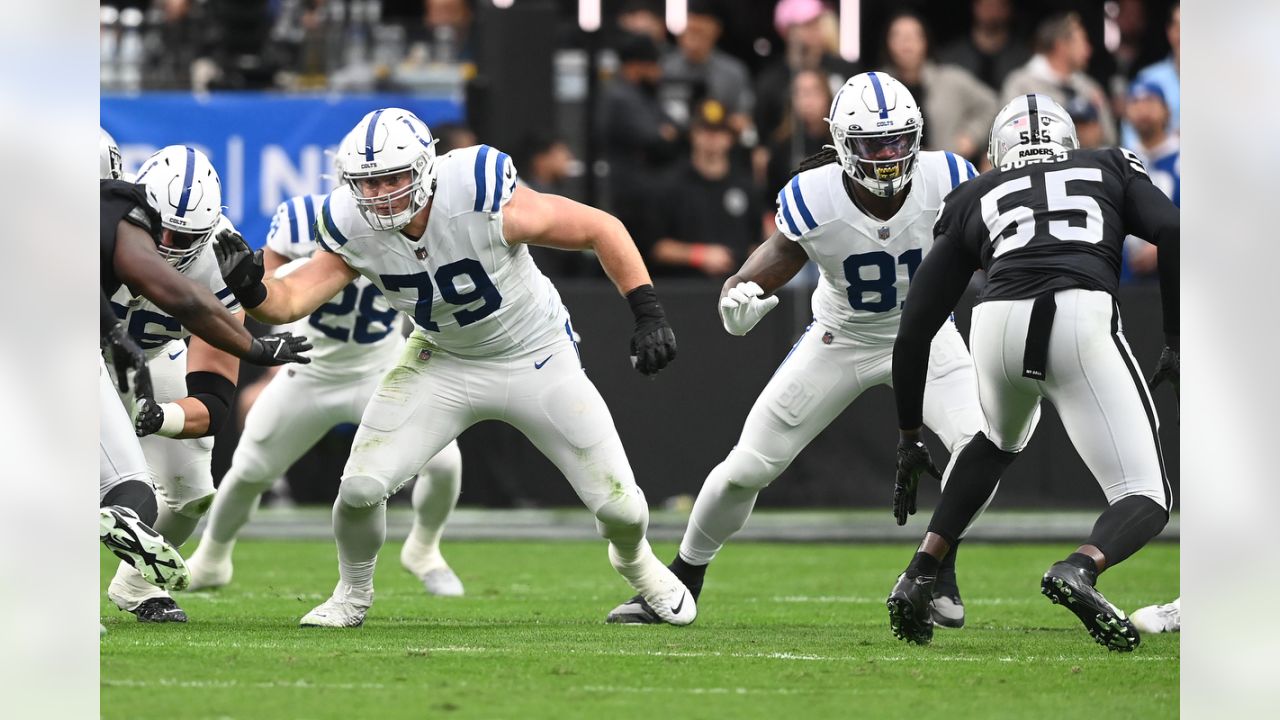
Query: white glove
[[743, 307]]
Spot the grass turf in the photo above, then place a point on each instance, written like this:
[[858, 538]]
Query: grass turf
[[782, 629]]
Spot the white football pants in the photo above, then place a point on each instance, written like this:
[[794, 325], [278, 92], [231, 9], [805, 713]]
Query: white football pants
[[1090, 377]]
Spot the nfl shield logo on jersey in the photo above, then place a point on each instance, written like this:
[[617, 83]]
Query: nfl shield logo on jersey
[[827, 338], [883, 233], [421, 253]]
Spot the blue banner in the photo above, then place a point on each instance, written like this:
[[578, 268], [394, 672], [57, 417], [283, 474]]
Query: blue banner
[[266, 148]]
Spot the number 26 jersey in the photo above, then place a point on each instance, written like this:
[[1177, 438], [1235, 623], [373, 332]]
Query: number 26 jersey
[[468, 291]]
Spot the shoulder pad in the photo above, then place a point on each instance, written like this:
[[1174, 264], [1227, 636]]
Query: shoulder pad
[[805, 202], [339, 221], [946, 170], [293, 227], [475, 179]]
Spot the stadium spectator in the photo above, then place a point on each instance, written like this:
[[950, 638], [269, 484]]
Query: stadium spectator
[[1057, 70], [637, 137], [645, 17], [990, 50], [1085, 116], [802, 133], [809, 30], [1149, 116], [1164, 75], [545, 166], [695, 70], [709, 219], [957, 108], [449, 26], [451, 137]]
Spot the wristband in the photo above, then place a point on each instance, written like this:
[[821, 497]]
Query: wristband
[[697, 255], [175, 418], [252, 296]]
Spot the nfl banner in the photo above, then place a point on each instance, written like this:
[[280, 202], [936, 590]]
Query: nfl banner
[[266, 148]]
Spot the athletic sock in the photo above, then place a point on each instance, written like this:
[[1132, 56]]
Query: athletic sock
[[923, 564], [237, 500], [135, 495], [360, 533], [722, 508], [969, 486], [1126, 526], [1084, 562], [691, 575]]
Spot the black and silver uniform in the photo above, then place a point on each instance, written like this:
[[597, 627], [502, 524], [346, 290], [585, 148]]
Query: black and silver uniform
[[121, 200], [1036, 228]]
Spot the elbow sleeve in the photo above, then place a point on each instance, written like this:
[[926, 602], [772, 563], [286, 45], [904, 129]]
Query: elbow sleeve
[[214, 392]]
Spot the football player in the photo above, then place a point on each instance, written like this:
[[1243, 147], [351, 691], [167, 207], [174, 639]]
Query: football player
[[1047, 226], [864, 213], [356, 340], [192, 386], [131, 242], [445, 240]]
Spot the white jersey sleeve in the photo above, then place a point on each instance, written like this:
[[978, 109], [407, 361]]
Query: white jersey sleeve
[[293, 227]]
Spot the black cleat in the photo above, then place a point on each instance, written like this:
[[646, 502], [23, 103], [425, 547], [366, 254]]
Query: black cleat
[[947, 609], [634, 612], [909, 604], [1073, 587], [159, 610]]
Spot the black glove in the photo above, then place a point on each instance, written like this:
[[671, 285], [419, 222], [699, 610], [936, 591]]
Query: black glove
[[653, 344], [913, 459], [1169, 368], [278, 349], [150, 417], [241, 268], [126, 356]]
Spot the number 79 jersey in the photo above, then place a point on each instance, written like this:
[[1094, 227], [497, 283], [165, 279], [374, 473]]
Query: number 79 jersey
[[866, 264], [354, 334], [1049, 225], [465, 288]]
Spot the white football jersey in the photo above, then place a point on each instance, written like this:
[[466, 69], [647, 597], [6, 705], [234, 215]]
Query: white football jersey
[[866, 265], [471, 293], [152, 327], [355, 333]]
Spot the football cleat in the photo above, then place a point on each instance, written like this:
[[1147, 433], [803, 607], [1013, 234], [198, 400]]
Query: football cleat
[[909, 614], [1073, 587], [345, 608], [159, 610], [661, 590], [442, 582], [135, 543], [207, 574], [1159, 618], [947, 611], [633, 612]]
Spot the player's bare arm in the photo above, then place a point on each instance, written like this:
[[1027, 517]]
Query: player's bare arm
[[279, 300], [148, 274], [558, 222], [775, 262], [211, 385]]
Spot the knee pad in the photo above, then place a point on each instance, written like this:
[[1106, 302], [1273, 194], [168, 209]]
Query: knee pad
[[193, 509], [359, 491], [748, 469], [625, 514]]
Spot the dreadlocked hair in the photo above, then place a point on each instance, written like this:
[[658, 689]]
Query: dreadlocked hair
[[825, 156]]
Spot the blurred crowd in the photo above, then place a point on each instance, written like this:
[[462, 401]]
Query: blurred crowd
[[696, 132]]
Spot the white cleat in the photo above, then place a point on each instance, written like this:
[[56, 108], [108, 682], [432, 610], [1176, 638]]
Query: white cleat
[[1153, 619], [345, 608], [661, 590], [207, 574], [135, 543], [442, 582]]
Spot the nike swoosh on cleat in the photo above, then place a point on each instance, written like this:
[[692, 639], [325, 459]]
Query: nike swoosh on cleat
[[175, 355], [538, 365], [676, 609]]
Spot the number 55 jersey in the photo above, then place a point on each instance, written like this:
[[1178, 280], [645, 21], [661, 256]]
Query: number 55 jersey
[[468, 292], [866, 264]]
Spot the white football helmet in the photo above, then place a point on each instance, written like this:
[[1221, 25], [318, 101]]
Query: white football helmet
[[876, 125], [110, 166], [183, 187], [387, 142], [1031, 127]]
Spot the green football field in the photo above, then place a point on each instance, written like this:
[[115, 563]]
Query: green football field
[[782, 629]]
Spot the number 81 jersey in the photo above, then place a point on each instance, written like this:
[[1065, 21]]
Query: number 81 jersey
[[866, 264], [465, 288], [355, 333]]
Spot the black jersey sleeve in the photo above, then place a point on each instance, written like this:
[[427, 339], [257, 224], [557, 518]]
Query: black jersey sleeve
[[1152, 216], [936, 288], [106, 317]]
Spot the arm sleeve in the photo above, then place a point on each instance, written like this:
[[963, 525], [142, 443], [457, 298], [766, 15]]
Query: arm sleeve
[[939, 283], [1154, 218]]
